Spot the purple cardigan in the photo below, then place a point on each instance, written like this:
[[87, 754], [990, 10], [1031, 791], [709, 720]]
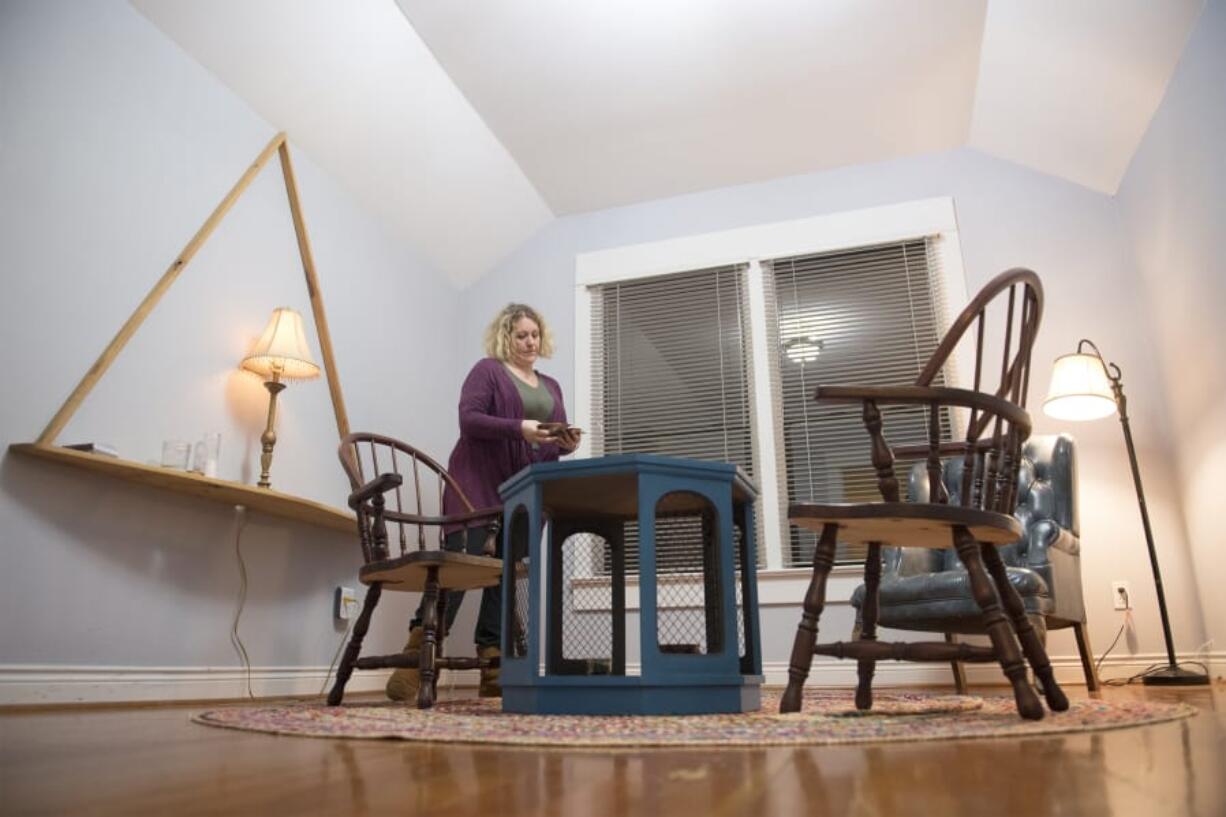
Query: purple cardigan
[[492, 448]]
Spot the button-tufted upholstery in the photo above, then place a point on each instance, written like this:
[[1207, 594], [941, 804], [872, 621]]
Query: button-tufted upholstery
[[928, 590]]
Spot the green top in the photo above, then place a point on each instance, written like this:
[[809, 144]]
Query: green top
[[538, 402]]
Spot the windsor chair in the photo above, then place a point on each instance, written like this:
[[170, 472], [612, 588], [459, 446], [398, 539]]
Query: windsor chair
[[975, 526], [413, 560]]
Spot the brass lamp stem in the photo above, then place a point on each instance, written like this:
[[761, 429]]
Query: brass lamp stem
[[269, 438]]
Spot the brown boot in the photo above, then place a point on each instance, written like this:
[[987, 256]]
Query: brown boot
[[403, 684], [490, 688]]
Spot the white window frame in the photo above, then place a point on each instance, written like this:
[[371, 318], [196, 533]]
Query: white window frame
[[935, 217]]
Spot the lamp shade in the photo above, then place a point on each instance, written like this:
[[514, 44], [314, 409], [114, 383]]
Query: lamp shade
[[282, 349], [1079, 389]]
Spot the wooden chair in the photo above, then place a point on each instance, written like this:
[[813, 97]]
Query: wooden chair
[[377, 468], [997, 425]]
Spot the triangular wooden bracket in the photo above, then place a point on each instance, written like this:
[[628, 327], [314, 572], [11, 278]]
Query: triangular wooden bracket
[[279, 146]]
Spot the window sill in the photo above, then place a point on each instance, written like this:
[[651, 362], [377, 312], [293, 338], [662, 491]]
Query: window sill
[[776, 588]]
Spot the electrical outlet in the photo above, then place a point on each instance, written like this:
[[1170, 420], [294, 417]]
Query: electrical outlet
[[345, 603], [1121, 595]]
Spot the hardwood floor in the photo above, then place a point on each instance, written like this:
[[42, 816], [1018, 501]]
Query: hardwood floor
[[135, 761]]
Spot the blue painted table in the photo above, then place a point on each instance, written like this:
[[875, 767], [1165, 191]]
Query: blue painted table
[[568, 590]]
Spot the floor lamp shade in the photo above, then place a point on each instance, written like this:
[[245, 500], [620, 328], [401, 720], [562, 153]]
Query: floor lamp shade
[[1080, 389], [280, 354]]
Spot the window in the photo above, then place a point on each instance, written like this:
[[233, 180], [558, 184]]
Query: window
[[710, 347], [670, 376], [866, 316], [669, 362]]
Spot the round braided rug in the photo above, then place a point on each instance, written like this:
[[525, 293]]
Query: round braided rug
[[828, 717]]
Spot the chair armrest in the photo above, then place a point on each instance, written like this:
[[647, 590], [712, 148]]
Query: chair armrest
[[1046, 535], [900, 395], [379, 485], [466, 519]]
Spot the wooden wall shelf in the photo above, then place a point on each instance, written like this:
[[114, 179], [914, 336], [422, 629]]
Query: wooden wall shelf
[[218, 490]]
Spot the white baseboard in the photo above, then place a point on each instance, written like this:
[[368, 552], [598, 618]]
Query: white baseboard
[[24, 685], [58, 684], [835, 673]]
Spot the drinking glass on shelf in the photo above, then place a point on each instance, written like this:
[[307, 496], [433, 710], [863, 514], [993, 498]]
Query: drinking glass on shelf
[[207, 451], [175, 454], [199, 455]]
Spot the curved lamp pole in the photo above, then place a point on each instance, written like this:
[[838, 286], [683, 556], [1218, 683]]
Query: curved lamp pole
[[1084, 386]]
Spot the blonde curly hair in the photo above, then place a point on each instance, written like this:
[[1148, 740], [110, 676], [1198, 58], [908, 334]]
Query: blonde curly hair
[[498, 333]]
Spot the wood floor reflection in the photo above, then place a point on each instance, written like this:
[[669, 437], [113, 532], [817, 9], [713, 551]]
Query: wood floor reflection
[[154, 761]]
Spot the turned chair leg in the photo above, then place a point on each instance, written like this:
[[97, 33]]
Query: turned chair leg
[[997, 626], [866, 667], [354, 647], [806, 631], [1087, 656], [959, 670], [1032, 644], [443, 602], [429, 645]]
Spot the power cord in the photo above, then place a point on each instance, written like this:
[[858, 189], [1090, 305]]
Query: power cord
[[1151, 669], [240, 515], [1123, 625], [336, 655]]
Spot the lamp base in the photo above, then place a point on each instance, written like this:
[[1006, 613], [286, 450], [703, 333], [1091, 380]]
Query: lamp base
[[1174, 676]]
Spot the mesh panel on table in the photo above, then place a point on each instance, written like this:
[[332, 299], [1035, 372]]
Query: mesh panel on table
[[587, 626]]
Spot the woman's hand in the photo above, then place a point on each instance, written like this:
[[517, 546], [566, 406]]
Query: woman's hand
[[568, 439], [533, 432]]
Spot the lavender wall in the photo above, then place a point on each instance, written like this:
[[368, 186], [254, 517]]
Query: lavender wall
[[114, 148], [1174, 211]]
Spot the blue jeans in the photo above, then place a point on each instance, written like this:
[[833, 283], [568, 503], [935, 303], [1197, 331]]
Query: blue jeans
[[488, 632]]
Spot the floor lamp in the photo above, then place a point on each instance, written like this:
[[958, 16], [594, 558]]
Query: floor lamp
[[1084, 386]]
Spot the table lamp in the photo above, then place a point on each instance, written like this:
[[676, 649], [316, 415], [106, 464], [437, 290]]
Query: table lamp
[[280, 354], [1086, 387]]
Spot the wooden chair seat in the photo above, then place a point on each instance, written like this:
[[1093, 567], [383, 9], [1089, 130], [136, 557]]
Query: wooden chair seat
[[456, 571], [895, 524]]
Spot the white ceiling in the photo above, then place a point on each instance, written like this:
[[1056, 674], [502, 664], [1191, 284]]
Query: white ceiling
[[1068, 86], [469, 125], [355, 87], [608, 103]]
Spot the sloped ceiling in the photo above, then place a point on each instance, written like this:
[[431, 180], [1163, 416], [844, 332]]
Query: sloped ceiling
[[356, 88], [611, 103], [1069, 88], [466, 126]]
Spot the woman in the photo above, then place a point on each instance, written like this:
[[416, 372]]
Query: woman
[[503, 403]]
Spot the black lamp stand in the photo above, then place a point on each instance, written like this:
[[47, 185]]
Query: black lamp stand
[[1172, 674]]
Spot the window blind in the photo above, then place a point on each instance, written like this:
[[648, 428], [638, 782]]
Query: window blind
[[670, 375], [863, 316]]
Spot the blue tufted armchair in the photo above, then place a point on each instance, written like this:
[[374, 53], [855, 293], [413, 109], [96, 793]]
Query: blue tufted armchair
[[928, 590]]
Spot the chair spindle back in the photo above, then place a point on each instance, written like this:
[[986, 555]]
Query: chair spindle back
[[366, 457], [998, 423]]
